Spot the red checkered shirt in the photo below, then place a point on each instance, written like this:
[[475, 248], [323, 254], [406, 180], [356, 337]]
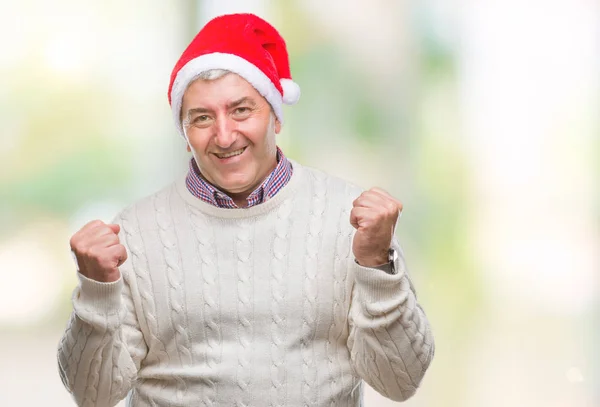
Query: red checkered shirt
[[266, 190]]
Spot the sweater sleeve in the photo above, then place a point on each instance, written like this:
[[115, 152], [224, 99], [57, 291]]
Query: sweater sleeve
[[102, 347], [390, 340]]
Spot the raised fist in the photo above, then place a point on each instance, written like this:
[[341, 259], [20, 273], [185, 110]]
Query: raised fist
[[374, 215], [98, 251]]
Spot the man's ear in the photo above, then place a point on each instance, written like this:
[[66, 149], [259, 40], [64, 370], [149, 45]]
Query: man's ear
[[189, 149], [277, 126]]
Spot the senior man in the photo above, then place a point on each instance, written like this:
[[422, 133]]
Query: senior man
[[253, 280]]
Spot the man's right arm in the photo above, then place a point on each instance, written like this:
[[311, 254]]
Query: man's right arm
[[102, 348]]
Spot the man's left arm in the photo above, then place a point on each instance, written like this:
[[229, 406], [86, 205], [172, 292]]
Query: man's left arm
[[390, 340]]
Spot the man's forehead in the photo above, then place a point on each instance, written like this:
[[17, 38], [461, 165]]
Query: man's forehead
[[229, 79], [221, 92], [229, 103]]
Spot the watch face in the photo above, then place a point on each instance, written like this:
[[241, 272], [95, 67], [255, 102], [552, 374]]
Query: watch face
[[392, 256]]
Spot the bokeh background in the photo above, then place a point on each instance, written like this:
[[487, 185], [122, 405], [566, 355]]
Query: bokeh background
[[482, 116]]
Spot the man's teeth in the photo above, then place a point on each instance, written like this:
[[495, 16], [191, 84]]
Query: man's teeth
[[233, 153]]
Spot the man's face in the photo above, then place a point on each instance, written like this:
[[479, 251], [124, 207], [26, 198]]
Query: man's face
[[231, 133]]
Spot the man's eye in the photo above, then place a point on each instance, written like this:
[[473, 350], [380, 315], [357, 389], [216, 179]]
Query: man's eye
[[242, 110], [200, 119]]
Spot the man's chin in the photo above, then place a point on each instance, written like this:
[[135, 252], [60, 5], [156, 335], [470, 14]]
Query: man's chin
[[234, 188]]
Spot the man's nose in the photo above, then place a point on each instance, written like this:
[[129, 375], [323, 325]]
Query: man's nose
[[226, 133]]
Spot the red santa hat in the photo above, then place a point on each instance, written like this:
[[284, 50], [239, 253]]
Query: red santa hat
[[244, 44]]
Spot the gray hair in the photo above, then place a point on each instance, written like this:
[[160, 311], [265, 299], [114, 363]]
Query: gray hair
[[211, 75]]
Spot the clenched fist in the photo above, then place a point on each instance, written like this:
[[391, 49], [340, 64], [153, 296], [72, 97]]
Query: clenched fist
[[374, 215], [98, 251]]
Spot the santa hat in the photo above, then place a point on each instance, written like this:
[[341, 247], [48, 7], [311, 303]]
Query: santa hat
[[244, 44]]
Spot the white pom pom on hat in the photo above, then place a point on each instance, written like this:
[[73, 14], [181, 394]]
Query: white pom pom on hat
[[246, 45], [291, 91]]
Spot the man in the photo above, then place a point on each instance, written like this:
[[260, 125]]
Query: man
[[253, 281]]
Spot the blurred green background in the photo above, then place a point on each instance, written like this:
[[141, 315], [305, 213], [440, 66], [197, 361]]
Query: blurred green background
[[481, 116]]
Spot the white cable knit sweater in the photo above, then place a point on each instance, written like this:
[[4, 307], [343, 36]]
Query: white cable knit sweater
[[263, 306]]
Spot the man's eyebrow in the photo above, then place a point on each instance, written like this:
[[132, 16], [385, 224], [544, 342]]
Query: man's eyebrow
[[230, 105], [245, 99], [197, 110]]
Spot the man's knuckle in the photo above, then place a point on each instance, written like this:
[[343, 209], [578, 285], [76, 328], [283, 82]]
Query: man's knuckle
[[74, 242], [94, 252], [104, 230], [89, 252], [94, 223]]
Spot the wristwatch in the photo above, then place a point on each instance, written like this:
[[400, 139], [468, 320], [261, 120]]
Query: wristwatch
[[392, 257]]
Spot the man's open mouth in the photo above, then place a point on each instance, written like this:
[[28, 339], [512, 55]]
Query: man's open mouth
[[231, 154]]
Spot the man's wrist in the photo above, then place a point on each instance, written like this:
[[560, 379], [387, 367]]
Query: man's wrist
[[381, 262], [374, 261]]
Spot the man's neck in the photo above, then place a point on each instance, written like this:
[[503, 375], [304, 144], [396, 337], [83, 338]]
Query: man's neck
[[241, 198]]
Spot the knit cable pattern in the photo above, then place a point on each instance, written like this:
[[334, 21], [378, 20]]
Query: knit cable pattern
[[118, 382], [406, 314], [310, 306], [243, 250], [276, 318], [168, 238], [340, 302], [400, 339], [75, 341], [210, 293], [133, 237], [278, 291], [93, 373], [119, 385]]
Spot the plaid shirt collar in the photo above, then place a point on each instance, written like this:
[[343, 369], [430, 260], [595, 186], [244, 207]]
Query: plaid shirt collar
[[206, 192]]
